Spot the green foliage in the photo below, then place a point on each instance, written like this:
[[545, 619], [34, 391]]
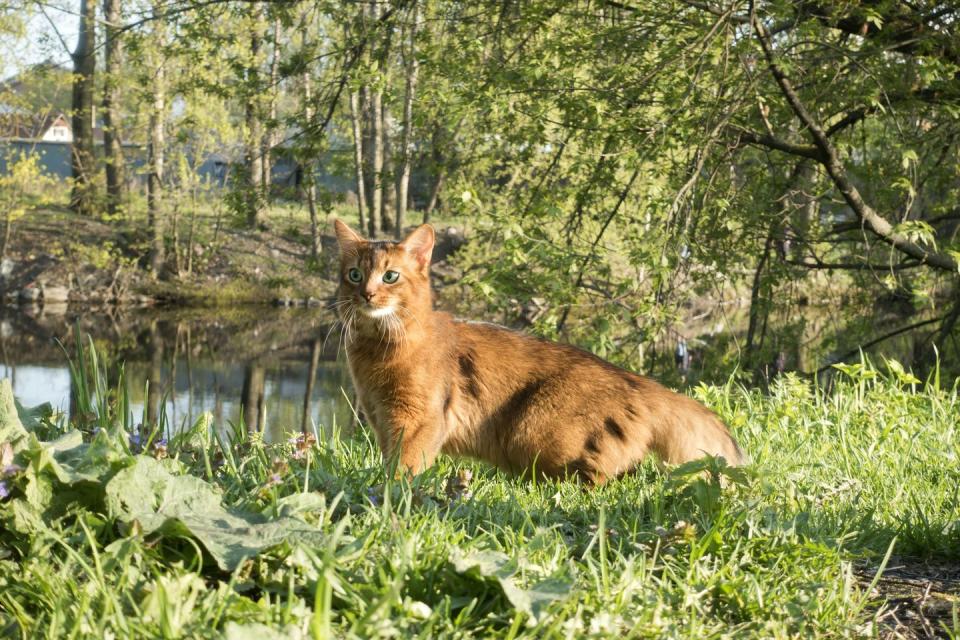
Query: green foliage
[[633, 170], [23, 186], [218, 534], [151, 499]]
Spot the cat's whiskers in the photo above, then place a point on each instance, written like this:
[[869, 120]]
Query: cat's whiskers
[[347, 328], [336, 323], [380, 329], [401, 325], [345, 316], [397, 323], [388, 325], [410, 314], [336, 306]]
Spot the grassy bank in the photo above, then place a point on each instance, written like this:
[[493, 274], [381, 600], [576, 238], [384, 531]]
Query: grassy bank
[[109, 534]]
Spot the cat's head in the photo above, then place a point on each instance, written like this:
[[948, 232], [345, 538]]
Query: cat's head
[[384, 280]]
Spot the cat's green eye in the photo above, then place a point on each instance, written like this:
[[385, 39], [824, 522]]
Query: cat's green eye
[[354, 275], [390, 277]]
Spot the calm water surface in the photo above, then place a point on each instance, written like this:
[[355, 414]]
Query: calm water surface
[[269, 367]]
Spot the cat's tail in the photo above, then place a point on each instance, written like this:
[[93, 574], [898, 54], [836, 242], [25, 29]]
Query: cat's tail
[[691, 432]]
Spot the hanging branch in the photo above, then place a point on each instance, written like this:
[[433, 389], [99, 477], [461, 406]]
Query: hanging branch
[[830, 160]]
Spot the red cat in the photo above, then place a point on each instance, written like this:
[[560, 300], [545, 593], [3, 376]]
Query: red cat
[[429, 383]]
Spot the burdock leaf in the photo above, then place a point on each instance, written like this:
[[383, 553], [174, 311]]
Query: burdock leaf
[[11, 427], [257, 631], [499, 568], [169, 504]]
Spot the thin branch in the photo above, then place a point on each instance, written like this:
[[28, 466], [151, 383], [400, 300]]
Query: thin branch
[[53, 26], [831, 162], [852, 118], [852, 266], [765, 140], [876, 341]]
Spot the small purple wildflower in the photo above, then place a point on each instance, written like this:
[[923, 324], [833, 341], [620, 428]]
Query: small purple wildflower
[[302, 444], [373, 497], [159, 449], [136, 442], [4, 489], [12, 469], [273, 480], [277, 471]]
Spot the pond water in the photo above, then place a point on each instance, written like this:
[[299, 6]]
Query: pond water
[[273, 368], [278, 370]]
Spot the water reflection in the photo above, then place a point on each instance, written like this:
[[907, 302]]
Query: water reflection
[[268, 367]]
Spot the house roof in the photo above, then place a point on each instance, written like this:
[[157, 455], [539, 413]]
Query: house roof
[[16, 124]]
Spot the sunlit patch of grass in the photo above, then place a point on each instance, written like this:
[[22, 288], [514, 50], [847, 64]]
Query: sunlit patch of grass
[[837, 480]]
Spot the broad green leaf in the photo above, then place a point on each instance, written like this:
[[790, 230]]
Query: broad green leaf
[[257, 631], [11, 427], [170, 601], [32, 417], [496, 567], [167, 504]]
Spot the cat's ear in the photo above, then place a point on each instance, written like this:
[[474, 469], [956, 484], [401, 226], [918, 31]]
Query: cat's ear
[[420, 244], [347, 238]]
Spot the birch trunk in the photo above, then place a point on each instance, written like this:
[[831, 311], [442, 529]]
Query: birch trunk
[[254, 121], [310, 186], [270, 137], [155, 157], [388, 192], [82, 158], [355, 118], [373, 149], [112, 149], [403, 173]]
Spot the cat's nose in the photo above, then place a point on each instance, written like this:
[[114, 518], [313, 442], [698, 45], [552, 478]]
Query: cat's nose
[[368, 295]]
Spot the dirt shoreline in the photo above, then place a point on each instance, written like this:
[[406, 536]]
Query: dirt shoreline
[[56, 259]]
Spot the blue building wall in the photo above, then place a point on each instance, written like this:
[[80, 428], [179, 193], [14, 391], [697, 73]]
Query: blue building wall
[[55, 156], [333, 170]]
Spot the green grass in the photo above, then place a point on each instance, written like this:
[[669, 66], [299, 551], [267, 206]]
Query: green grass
[[96, 541]]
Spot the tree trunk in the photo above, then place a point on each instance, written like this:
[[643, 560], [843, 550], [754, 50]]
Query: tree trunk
[[154, 376], [190, 232], [355, 118], [270, 136], [373, 148], [82, 159], [7, 229], [155, 153], [112, 149], [254, 381], [311, 193], [373, 134], [437, 143], [758, 305], [311, 378], [403, 172], [309, 183], [434, 197], [388, 191], [175, 229], [254, 120]]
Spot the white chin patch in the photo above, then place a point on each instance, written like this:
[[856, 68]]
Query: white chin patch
[[380, 312]]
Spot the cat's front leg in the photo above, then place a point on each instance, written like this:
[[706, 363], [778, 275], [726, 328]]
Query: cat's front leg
[[415, 442]]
